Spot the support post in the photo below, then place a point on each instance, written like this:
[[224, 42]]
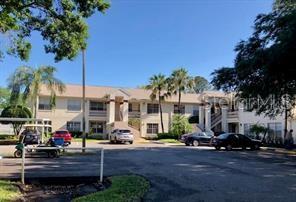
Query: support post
[[23, 165], [102, 165], [83, 101]]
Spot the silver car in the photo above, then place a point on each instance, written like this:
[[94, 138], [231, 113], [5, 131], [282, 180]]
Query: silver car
[[121, 136]]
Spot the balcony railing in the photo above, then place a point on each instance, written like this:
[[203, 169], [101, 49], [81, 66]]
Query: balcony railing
[[134, 114], [232, 115], [98, 113]]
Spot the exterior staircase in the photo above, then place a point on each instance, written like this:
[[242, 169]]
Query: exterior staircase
[[124, 125], [216, 119]]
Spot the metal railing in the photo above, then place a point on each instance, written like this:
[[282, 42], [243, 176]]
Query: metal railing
[[232, 114], [25, 149], [98, 113], [134, 114]]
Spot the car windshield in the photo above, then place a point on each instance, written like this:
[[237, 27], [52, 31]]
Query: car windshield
[[124, 131], [61, 132], [223, 136]]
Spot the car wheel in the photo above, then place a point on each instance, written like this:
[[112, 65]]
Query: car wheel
[[52, 154], [217, 148], [244, 148], [195, 143], [131, 142], [255, 147], [18, 154], [228, 147]]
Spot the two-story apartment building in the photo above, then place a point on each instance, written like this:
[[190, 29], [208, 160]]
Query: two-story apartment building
[[110, 107]]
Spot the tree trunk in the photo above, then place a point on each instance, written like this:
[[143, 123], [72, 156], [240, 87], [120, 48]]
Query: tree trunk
[[35, 107], [160, 110], [179, 102]]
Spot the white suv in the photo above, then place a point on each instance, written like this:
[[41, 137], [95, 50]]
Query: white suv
[[122, 136]]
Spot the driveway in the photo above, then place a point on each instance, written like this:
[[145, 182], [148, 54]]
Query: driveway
[[179, 173]]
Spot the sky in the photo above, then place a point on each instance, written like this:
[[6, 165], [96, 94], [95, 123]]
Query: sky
[[135, 39]]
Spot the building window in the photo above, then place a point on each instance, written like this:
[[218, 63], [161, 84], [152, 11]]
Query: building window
[[182, 109], [73, 126], [44, 104], [134, 107], [97, 106], [152, 128], [74, 105], [96, 127], [275, 129], [152, 108]]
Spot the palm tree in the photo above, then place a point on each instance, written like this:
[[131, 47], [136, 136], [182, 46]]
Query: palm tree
[[25, 84], [158, 85], [180, 82]]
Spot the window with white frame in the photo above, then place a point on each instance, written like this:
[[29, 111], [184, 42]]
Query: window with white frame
[[182, 109], [73, 126], [275, 129], [152, 108], [195, 110], [97, 106], [96, 126], [44, 104], [74, 105], [133, 107], [152, 128]]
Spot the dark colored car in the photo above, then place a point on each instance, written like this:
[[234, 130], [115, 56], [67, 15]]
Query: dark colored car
[[63, 134], [232, 140], [197, 139], [30, 137]]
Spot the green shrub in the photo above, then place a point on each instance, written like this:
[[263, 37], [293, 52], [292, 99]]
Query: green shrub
[[96, 136], [76, 134], [8, 137], [135, 123], [167, 136], [180, 125]]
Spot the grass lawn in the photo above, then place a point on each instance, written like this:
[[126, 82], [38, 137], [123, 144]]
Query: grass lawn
[[8, 192], [170, 141], [123, 188]]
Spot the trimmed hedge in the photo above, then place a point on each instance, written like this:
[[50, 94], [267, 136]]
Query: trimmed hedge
[[167, 136]]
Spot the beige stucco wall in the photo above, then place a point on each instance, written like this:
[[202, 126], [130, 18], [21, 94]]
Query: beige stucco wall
[[168, 112], [59, 116]]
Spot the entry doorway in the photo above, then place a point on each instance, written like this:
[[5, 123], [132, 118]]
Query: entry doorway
[[97, 127], [233, 128]]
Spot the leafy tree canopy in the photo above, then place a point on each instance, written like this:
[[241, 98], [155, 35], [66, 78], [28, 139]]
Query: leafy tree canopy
[[25, 84], [4, 97], [180, 125], [200, 84], [265, 63], [17, 111], [60, 22]]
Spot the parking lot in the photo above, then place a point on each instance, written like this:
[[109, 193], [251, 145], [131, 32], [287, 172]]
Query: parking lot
[[178, 173]]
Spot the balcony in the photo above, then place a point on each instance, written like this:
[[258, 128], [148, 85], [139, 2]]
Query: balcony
[[134, 114], [232, 114], [97, 113]]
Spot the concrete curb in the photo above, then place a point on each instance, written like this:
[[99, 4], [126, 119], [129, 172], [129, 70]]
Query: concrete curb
[[279, 150]]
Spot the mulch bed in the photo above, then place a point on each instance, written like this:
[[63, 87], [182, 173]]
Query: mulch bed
[[61, 189]]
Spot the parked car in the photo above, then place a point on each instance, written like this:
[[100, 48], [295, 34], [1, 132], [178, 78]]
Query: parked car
[[232, 140], [65, 134], [184, 137], [197, 139], [121, 136], [30, 137]]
